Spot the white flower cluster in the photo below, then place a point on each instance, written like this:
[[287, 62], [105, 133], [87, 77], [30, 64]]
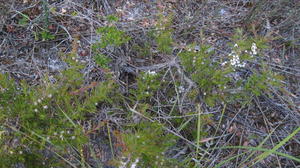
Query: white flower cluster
[[194, 60], [39, 101], [253, 49], [134, 164], [235, 59], [181, 89], [61, 135], [151, 72], [124, 164], [75, 59]]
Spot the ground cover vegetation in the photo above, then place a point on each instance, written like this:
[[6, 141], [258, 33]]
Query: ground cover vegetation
[[149, 84]]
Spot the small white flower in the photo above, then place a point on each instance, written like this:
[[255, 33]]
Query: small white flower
[[151, 72], [73, 137], [63, 10], [134, 164], [11, 152], [181, 89], [68, 132], [50, 96], [137, 136], [55, 133], [35, 110], [119, 10], [224, 63], [62, 132], [20, 152], [242, 64], [254, 49], [96, 104], [268, 25], [39, 100], [235, 60], [204, 93], [236, 45], [194, 60], [45, 107]]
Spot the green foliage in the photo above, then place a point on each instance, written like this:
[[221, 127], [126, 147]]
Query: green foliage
[[112, 18], [214, 78], [164, 41], [143, 51], [24, 20], [259, 83], [46, 35], [101, 93], [13, 157], [47, 115], [210, 77], [260, 79], [102, 60], [148, 143], [74, 13], [163, 36], [147, 84], [110, 36]]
